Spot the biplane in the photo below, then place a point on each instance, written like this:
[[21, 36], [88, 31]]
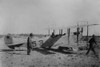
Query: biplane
[[49, 41], [44, 42], [79, 30]]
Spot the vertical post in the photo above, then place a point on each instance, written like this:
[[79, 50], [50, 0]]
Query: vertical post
[[48, 31], [54, 31], [87, 32], [68, 32], [78, 34], [81, 30], [61, 31]]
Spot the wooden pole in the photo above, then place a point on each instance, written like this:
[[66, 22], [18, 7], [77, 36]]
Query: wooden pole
[[54, 31], [77, 34], [61, 31], [48, 31], [87, 33], [68, 32]]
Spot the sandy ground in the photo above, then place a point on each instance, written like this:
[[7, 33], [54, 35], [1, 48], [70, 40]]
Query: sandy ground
[[42, 58], [38, 59]]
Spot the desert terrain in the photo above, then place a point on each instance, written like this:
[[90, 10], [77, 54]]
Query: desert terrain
[[47, 58]]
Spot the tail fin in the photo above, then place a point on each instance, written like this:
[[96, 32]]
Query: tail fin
[[8, 39]]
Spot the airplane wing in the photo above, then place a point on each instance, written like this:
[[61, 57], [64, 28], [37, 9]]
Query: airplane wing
[[71, 26]]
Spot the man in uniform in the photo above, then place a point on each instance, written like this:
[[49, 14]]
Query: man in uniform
[[91, 44], [29, 44]]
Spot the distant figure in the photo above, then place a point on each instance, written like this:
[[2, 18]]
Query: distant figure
[[91, 44], [29, 44], [53, 35]]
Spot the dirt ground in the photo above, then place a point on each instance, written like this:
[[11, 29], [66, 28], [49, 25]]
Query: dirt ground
[[47, 58]]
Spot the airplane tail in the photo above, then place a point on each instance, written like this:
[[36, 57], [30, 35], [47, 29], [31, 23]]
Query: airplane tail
[[8, 40]]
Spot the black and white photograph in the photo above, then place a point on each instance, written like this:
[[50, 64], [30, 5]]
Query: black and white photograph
[[49, 33]]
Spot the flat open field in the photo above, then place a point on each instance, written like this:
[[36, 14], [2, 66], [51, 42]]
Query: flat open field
[[46, 58]]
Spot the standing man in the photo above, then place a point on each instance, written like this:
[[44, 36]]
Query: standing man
[[29, 44], [91, 44]]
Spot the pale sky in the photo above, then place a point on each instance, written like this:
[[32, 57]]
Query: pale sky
[[25, 16]]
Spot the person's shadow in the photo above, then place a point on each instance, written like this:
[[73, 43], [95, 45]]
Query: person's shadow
[[11, 51]]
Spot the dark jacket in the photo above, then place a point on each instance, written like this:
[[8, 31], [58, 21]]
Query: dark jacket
[[29, 42], [92, 41]]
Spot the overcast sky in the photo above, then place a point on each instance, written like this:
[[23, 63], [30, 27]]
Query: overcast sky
[[25, 16]]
